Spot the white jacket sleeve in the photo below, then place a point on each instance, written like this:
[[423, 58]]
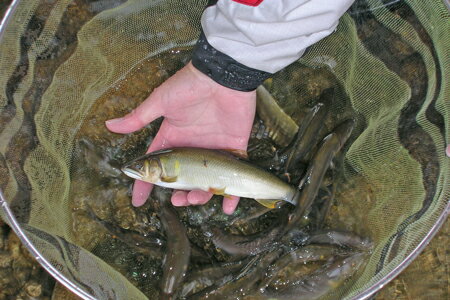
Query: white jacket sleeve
[[272, 34]]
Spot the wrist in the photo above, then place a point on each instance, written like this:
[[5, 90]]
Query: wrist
[[224, 70]]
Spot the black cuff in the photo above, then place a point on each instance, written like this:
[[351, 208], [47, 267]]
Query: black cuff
[[225, 70]]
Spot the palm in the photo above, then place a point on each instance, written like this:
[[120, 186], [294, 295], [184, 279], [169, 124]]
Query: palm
[[198, 113]]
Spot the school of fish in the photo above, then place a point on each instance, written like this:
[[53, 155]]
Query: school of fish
[[261, 265]]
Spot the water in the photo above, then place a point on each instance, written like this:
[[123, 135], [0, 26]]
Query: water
[[98, 186]]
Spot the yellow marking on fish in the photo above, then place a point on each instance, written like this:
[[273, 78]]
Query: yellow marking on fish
[[269, 203], [177, 167], [215, 191], [169, 178]]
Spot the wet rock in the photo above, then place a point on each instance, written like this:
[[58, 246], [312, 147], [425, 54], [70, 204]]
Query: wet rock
[[33, 289]]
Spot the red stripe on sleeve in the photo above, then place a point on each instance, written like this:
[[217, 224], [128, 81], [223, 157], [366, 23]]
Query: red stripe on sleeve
[[249, 2]]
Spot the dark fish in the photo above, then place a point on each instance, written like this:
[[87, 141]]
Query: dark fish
[[307, 136], [340, 238], [282, 128], [243, 285], [288, 160], [321, 281], [251, 214], [310, 253], [324, 209], [312, 181], [247, 244], [211, 275], [178, 248]]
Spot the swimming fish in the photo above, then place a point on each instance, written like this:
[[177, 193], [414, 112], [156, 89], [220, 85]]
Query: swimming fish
[[321, 281], [282, 128], [210, 170], [178, 247]]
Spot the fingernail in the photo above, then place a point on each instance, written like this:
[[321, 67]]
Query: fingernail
[[113, 121]]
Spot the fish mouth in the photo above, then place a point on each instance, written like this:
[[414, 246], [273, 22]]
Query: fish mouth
[[131, 173]]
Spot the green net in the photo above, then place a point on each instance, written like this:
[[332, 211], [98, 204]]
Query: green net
[[67, 66]]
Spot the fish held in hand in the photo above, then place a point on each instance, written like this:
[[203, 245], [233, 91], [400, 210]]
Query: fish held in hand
[[212, 171]]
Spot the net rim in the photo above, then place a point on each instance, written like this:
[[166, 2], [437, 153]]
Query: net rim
[[14, 224], [8, 16], [409, 259]]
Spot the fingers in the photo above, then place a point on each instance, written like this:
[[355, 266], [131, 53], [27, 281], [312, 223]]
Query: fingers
[[179, 198], [141, 191], [145, 113], [196, 197], [447, 151], [229, 204]]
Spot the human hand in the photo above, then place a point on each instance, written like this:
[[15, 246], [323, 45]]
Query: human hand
[[198, 112]]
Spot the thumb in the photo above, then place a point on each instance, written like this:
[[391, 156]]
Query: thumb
[[146, 112]]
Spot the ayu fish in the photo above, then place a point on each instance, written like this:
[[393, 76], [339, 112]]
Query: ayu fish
[[178, 248], [312, 180], [210, 170], [320, 282], [281, 127]]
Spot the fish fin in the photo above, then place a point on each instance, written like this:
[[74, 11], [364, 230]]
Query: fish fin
[[217, 191], [288, 176], [169, 178], [237, 153], [269, 203], [268, 83], [161, 151]]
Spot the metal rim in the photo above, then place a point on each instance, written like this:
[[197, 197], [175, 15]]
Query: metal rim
[[37, 255], [408, 260], [7, 17], [81, 293]]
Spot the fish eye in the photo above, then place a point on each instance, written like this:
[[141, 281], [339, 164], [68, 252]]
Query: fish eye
[[138, 165]]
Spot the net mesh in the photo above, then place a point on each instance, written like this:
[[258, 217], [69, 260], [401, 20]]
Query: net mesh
[[67, 66]]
